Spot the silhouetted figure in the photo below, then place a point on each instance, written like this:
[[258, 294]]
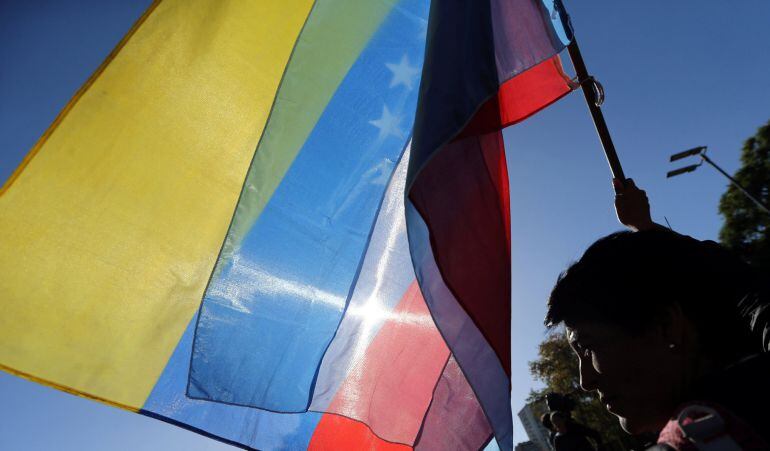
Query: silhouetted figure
[[545, 419], [662, 323], [570, 435], [558, 402]]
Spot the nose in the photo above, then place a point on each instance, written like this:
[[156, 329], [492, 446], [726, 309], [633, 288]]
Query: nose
[[588, 374]]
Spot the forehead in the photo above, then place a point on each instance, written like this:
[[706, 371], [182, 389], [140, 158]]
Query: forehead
[[586, 331]]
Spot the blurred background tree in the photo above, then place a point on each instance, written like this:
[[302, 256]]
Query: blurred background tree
[[746, 229]]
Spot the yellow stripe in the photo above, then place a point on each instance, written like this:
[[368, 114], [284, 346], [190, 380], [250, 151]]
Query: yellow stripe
[[31, 154], [110, 232], [65, 389]]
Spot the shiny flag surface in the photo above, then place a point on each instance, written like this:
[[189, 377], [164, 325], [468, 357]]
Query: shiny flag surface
[[329, 184]]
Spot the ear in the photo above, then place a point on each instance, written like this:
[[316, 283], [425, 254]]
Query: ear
[[676, 331]]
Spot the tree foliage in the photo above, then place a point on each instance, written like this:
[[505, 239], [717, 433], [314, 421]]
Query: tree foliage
[[746, 229], [557, 368]]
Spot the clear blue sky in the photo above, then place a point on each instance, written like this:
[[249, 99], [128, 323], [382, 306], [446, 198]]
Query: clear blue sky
[[677, 75]]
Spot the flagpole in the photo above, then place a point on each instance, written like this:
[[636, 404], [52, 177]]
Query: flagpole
[[594, 96]]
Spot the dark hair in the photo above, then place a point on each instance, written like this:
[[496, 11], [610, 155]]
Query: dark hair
[[629, 279], [559, 414], [545, 419], [557, 401]]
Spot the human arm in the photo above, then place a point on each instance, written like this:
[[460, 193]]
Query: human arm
[[633, 207]]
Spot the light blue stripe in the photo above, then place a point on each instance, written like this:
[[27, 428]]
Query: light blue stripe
[[560, 20], [268, 318], [251, 427]]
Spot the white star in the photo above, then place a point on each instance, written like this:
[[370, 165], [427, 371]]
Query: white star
[[388, 124], [379, 174], [403, 73], [422, 29]]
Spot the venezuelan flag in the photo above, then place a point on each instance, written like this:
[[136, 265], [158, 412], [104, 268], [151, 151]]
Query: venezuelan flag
[[331, 185]]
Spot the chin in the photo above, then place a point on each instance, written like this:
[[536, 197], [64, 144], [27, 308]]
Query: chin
[[636, 427], [628, 426]]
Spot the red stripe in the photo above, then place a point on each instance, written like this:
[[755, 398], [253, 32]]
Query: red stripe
[[463, 197], [520, 97], [391, 386], [458, 195], [336, 433], [455, 419], [498, 173]]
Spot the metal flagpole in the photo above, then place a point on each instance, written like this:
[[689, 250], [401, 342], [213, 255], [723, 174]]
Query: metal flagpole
[[594, 95], [701, 152], [737, 185]]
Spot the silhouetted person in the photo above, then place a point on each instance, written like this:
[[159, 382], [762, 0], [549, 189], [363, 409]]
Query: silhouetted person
[[557, 402], [545, 419], [570, 436], [668, 330]]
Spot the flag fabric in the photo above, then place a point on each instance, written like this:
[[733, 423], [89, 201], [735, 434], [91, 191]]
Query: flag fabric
[[488, 65], [329, 184]]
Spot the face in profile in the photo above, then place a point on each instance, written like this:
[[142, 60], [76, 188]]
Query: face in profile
[[559, 423], [638, 377]]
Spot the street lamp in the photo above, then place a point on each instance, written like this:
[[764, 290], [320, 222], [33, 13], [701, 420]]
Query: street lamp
[[694, 151], [701, 151]]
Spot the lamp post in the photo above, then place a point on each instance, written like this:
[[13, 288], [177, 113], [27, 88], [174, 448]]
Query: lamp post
[[701, 151]]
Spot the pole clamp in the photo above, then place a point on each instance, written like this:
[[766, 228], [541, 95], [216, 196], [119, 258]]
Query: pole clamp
[[596, 87]]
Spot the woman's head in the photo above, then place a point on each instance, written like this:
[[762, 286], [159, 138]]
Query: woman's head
[[648, 313], [559, 421], [545, 419]]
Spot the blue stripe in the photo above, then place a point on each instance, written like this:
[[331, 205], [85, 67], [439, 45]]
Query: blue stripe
[[560, 20], [269, 316], [232, 424]]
